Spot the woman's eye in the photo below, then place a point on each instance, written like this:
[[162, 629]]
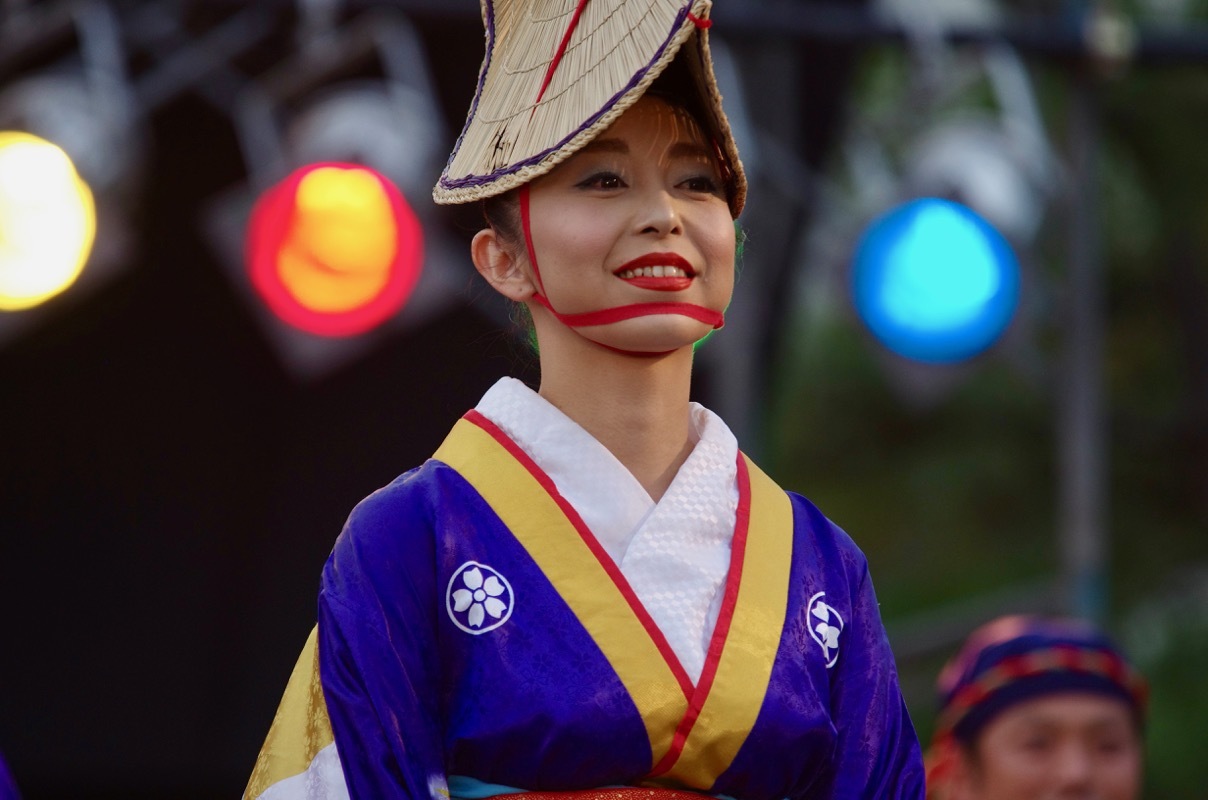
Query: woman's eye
[[603, 180], [701, 183]]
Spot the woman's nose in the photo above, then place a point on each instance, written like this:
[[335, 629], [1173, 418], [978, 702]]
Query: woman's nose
[[659, 213]]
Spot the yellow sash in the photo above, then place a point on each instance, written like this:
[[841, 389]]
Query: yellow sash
[[695, 731], [300, 729]]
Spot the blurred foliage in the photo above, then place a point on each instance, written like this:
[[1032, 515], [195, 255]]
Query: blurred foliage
[[1155, 12], [947, 477], [1167, 635]]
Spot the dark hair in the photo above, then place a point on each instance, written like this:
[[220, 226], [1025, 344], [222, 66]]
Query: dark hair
[[677, 86], [502, 214]]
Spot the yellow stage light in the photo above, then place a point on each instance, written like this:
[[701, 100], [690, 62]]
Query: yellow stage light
[[47, 221]]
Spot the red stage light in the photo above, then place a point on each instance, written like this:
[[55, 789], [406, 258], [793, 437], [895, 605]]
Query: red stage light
[[334, 249]]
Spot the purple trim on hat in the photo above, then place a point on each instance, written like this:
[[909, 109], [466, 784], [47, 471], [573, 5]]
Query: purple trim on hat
[[482, 79], [491, 177]]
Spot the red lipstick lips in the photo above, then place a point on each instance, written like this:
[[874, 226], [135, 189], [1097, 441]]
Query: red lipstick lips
[[644, 272]]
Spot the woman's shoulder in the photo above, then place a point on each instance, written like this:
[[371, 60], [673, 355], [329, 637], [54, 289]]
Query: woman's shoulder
[[819, 544], [409, 493], [827, 539], [388, 534], [382, 567], [401, 514], [810, 523]]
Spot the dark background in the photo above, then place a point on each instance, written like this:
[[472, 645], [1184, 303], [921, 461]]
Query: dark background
[[169, 490]]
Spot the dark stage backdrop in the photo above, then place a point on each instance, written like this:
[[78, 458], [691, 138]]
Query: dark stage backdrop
[[169, 492]]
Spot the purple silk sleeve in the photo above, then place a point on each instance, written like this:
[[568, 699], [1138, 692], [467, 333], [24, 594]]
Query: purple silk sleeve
[[877, 755], [833, 724], [413, 698], [8, 786], [378, 668]]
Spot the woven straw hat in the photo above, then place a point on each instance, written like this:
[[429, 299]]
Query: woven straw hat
[[558, 72]]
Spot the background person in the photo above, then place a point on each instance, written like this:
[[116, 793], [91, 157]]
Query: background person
[[1036, 708]]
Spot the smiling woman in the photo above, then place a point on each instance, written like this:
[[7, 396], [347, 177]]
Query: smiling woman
[[589, 589], [637, 249]]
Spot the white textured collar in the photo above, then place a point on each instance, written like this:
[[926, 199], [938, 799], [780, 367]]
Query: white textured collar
[[611, 501]]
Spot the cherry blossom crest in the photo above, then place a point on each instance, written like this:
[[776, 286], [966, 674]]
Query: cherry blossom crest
[[479, 598]]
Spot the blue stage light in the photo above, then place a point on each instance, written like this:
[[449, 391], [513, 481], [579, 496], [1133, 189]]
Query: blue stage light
[[934, 281]]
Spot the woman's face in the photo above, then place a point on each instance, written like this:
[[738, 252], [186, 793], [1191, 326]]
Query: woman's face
[[637, 216], [1057, 746]]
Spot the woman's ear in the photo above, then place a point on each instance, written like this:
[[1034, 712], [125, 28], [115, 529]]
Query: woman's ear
[[500, 267]]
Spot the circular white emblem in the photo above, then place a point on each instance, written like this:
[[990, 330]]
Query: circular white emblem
[[825, 627], [479, 599]]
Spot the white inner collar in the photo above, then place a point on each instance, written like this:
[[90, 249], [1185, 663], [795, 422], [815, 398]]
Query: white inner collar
[[674, 553], [611, 501]]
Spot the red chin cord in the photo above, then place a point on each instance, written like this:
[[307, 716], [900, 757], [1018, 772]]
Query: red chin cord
[[606, 316]]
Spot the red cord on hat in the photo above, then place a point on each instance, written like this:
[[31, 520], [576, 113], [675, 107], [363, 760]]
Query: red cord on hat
[[699, 22], [561, 51]]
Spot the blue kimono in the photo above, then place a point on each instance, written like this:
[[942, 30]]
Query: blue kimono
[[8, 786], [474, 639]]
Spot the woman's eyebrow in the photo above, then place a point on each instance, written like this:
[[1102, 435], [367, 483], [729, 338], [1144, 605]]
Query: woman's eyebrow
[[685, 150], [606, 146], [689, 150]]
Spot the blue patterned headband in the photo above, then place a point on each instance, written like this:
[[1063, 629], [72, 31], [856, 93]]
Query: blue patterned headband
[[1019, 658]]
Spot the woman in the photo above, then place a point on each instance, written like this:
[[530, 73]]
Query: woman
[[589, 586], [1032, 708]]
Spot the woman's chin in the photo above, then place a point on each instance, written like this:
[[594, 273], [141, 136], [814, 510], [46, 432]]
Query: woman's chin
[[654, 334]]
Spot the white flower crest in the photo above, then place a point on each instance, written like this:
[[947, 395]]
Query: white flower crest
[[825, 628], [479, 598]]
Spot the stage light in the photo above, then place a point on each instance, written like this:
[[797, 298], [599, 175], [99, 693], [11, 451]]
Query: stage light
[[334, 249], [332, 240], [47, 221], [72, 119], [974, 160], [934, 281], [949, 273]]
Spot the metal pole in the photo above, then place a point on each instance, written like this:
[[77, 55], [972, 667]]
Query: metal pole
[[1081, 417], [738, 363]]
